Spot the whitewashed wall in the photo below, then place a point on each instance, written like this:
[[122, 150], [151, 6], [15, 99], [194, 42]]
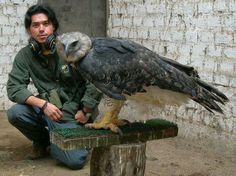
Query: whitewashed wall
[[12, 38], [200, 33]]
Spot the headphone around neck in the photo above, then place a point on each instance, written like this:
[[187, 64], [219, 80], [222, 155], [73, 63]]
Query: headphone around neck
[[49, 44]]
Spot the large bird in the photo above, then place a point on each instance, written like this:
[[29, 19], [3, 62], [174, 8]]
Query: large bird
[[124, 70]]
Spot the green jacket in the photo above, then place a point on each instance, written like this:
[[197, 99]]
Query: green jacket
[[47, 74]]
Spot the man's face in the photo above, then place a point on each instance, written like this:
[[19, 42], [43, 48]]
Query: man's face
[[40, 27]]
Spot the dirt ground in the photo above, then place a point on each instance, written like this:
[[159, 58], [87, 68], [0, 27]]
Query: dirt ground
[[167, 157]]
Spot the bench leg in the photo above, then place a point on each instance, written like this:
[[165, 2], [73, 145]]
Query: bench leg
[[118, 160]]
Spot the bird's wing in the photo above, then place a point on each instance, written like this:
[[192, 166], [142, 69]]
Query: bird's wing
[[112, 67], [118, 67]]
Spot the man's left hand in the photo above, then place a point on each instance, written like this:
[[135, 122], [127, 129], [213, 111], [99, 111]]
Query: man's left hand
[[81, 117]]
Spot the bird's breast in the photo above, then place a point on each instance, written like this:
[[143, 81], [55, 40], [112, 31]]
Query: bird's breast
[[159, 97]]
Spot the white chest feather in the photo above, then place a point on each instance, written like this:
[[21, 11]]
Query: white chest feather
[[154, 96], [159, 97]]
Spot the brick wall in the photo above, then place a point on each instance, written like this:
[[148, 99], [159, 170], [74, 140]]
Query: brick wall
[[200, 33], [12, 38]]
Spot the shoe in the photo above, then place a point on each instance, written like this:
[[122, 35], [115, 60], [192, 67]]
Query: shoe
[[38, 153]]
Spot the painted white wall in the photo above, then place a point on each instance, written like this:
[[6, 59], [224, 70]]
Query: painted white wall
[[12, 38], [200, 33]]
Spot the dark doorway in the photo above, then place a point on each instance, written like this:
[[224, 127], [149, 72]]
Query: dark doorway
[[87, 16]]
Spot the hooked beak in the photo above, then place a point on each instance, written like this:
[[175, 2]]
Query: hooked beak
[[67, 50]]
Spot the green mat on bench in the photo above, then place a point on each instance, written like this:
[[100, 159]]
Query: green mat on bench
[[150, 125], [73, 138]]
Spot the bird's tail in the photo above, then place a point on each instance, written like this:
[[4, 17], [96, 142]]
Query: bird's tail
[[208, 97]]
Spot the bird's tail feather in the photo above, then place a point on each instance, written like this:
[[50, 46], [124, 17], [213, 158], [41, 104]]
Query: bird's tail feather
[[207, 102], [220, 97], [209, 96]]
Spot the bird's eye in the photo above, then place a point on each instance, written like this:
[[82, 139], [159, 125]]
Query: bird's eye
[[74, 43]]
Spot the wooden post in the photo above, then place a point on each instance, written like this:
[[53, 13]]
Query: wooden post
[[118, 160]]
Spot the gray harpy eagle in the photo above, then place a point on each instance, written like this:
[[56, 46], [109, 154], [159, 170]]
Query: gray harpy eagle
[[123, 70]]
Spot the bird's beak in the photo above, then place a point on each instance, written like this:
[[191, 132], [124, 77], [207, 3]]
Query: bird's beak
[[67, 50]]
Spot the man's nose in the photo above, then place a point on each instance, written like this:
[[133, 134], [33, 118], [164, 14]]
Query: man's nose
[[41, 27]]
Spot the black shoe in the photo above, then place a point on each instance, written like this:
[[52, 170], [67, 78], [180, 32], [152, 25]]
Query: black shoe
[[38, 153]]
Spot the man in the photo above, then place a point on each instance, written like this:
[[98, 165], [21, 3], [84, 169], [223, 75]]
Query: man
[[64, 97]]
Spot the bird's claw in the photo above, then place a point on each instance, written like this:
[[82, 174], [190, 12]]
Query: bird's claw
[[114, 128]]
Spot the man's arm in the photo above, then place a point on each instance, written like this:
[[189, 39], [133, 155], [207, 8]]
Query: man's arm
[[49, 109], [89, 101], [91, 96], [17, 91], [19, 79]]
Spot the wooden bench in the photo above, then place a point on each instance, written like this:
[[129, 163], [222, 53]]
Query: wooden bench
[[114, 154]]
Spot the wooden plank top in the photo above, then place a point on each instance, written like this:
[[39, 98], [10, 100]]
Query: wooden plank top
[[77, 138]]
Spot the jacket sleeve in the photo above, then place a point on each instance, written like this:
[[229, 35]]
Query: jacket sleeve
[[18, 80], [91, 96]]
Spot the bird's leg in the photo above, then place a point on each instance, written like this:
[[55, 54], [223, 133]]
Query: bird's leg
[[110, 118]]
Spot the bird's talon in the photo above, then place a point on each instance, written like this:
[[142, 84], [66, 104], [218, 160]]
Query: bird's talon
[[120, 131], [88, 125]]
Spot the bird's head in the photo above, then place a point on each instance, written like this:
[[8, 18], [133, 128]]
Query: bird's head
[[73, 46]]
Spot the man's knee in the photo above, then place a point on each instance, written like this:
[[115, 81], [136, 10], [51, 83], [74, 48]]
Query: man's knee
[[75, 159], [12, 114], [76, 164], [16, 112]]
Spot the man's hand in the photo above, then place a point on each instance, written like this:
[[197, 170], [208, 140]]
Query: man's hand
[[49, 109], [81, 117], [52, 112]]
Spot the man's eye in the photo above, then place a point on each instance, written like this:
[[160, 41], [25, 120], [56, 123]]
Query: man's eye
[[46, 24], [35, 25]]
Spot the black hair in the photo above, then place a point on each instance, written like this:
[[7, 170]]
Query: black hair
[[41, 8]]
